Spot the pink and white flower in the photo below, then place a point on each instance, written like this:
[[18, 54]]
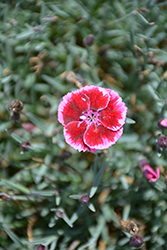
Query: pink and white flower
[[162, 123], [149, 173], [93, 118]]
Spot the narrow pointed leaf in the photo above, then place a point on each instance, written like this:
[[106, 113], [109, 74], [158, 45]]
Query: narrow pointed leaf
[[97, 180], [91, 207], [13, 236], [76, 215], [19, 187], [36, 120], [75, 196], [58, 200], [67, 220], [43, 240], [55, 83], [18, 139], [52, 222], [53, 245], [14, 136], [130, 121]]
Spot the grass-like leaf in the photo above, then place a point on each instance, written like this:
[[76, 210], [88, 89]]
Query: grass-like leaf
[[97, 180], [17, 186], [13, 237]]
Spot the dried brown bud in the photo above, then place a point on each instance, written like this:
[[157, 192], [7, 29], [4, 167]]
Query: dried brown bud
[[128, 226], [17, 106], [15, 116], [13, 22], [138, 49], [6, 71], [74, 78]]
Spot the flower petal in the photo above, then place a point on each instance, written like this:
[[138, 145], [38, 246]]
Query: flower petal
[[150, 174], [156, 177], [114, 115], [148, 168], [73, 133], [72, 106], [98, 97], [99, 137]]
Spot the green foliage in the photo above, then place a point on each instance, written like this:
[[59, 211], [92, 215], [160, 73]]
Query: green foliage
[[39, 40]]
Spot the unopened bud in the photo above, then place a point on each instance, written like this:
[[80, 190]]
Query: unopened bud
[[59, 214], [57, 192], [41, 247], [24, 145], [136, 241], [37, 28], [84, 199], [162, 123], [29, 126], [89, 40], [162, 141]]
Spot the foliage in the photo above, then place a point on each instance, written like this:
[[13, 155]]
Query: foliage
[[41, 188]]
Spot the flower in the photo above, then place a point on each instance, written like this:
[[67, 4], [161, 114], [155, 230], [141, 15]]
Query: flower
[[162, 123], [136, 241], [149, 173], [93, 118]]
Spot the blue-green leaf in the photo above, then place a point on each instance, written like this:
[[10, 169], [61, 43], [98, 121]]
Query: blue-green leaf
[[97, 180], [130, 121]]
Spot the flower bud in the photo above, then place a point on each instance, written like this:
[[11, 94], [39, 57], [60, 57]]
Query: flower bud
[[59, 214], [41, 247], [162, 123], [150, 174], [37, 28], [29, 126], [162, 141], [24, 145], [136, 241], [89, 40], [57, 192], [84, 199]]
